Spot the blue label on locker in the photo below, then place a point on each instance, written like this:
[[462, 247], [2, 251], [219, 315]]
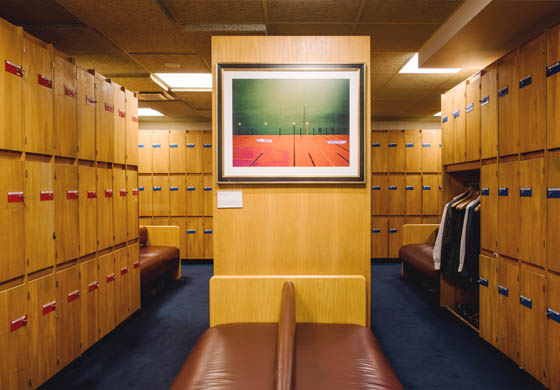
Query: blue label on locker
[[156, 145], [207, 231], [409, 188], [140, 145], [526, 301], [376, 188], [503, 191], [525, 81], [392, 230], [173, 145], [456, 114], [140, 188], [409, 145], [553, 314], [392, 145], [207, 188], [552, 69], [485, 191], [444, 119], [375, 145], [426, 145], [190, 188], [157, 188], [483, 282], [173, 188], [206, 145], [503, 92], [190, 145], [485, 100], [191, 231], [553, 193], [526, 192], [470, 107], [426, 187], [503, 290], [376, 230], [392, 188]]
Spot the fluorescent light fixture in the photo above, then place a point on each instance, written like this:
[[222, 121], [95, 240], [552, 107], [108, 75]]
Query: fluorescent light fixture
[[184, 82], [148, 112], [437, 114], [224, 27], [412, 67]]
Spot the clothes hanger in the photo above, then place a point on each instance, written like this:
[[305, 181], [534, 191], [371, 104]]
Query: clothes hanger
[[477, 208], [467, 199]]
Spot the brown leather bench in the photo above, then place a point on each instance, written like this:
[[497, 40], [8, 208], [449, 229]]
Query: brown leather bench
[[416, 252], [159, 253]]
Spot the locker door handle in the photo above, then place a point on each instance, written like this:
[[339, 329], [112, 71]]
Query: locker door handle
[[190, 145], [173, 145], [485, 191], [376, 188], [525, 81], [445, 119], [18, 323], [376, 230], [375, 145], [73, 295], [527, 302], [46, 195], [392, 145], [124, 270], [191, 231], [552, 314], [426, 145], [70, 92], [207, 231], [135, 191], [15, 197], [191, 188], [122, 114], [136, 264], [503, 92], [93, 286], [426, 188], [393, 230], [140, 145], [526, 192], [156, 145], [503, 191], [408, 145], [109, 108], [457, 114], [207, 188], [503, 290], [156, 188], [123, 192], [91, 101], [140, 188], [469, 108], [72, 194], [552, 69], [48, 307], [91, 194], [110, 278], [108, 193], [392, 188], [409, 188], [14, 69], [206, 145], [485, 100], [173, 188], [483, 282], [553, 193]]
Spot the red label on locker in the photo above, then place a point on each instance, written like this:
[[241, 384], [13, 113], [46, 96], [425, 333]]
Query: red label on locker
[[108, 193], [14, 197], [18, 323], [110, 278], [47, 195], [122, 192], [70, 92], [14, 69], [135, 118], [73, 295], [91, 194], [48, 307], [45, 81], [124, 270], [135, 191], [122, 114], [136, 264], [109, 108], [72, 194], [90, 100], [93, 286]]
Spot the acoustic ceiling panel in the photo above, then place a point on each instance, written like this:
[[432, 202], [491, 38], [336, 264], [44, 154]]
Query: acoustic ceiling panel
[[405, 96], [188, 63], [407, 11], [396, 37], [310, 11], [138, 84], [217, 11], [378, 82], [309, 29], [198, 100], [389, 62], [175, 109], [28, 12], [385, 109], [415, 81]]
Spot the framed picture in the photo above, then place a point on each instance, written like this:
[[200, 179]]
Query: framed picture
[[291, 123]]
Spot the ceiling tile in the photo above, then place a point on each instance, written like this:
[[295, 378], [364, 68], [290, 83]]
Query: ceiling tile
[[413, 81], [217, 11], [408, 11], [378, 81], [405, 95], [174, 109], [29, 12], [198, 100], [154, 63], [138, 84], [389, 62], [309, 29], [396, 37], [380, 109], [323, 11]]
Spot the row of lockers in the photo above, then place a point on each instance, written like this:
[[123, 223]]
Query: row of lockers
[[410, 194], [196, 235], [509, 108], [53, 213], [519, 314], [48, 105], [175, 151], [49, 321], [406, 151], [175, 195]]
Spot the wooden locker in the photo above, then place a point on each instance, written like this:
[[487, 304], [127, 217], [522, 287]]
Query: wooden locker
[[413, 150], [396, 151], [446, 128], [379, 238], [207, 151], [39, 216], [12, 228], [105, 193], [489, 207], [68, 308], [89, 318], [208, 238], [145, 196], [132, 204], [11, 87], [532, 226], [379, 194], [489, 112], [160, 221], [508, 309], [379, 151], [553, 88], [119, 128], [14, 339], [133, 252], [66, 213], [394, 229], [182, 223], [531, 98], [65, 107], [120, 199], [413, 220], [488, 298], [195, 238], [38, 97], [472, 110], [177, 151], [177, 195], [395, 195], [122, 285], [87, 209], [42, 328], [86, 114], [131, 128], [160, 191], [104, 119], [107, 311], [194, 151], [553, 210], [208, 197], [431, 220], [508, 208], [430, 194], [413, 194], [553, 331], [532, 305], [195, 195], [440, 189], [160, 151], [459, 122], [144, 151], [508, 126], [431, 150], [145, 221]]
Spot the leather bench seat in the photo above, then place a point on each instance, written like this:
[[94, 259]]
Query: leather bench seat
[[156, 261], [420, 257]]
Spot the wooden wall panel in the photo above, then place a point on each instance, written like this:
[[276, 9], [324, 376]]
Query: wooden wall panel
[[177, 195], [105, 194], [396, 202], [489, 112], [119, 128], [395, 234], [120, 198], [553, 88], [553, 331], [177, 151], [68, 307], [472, 111], [431, 140], [133, 252], [107, 311], [87, 209], [459, 122], [66, 213], [160, 151], [86, 114], [508, 124], [160, 191], [553, 210], [195, 237], [208, 238], [532, 226], [89, 290], [379, 151], [413, 150], [208, 196], [379, 237], [144, 151], [195, 195], [508, 208], [122, 285], [194, 151], [104, 119], [488, 298], [430, 194], [65, 108], [145, 196], [489, 203], [396, 158], [413, 194], [207, 151], [379, 194], [132, 204], [508, 309], [182, 223]]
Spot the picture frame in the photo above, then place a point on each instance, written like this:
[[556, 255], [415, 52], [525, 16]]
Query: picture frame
[[291, 123]]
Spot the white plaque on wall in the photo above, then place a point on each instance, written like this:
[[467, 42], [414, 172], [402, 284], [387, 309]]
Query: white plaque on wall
[[230, 200]]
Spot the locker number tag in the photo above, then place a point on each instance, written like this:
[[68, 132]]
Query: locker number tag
[[135, 118], [18, 323], [72, 194], [108, 193], [109, 108], [45, 81], [122, 192], [70, 92], [110, 278], [48, 307], [73, 295], [46, 195], [122, 114], [14, 197], [91, 101], [136, 264], [124, 270], [91, 194], [14, 69], [93, 286]]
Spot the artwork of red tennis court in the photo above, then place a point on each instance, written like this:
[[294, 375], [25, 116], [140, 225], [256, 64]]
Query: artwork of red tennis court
[[290, 150]]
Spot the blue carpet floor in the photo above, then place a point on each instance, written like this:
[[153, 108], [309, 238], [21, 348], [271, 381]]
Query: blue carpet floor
[[427, 346]]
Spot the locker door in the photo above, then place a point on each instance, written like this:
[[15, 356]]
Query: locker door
[[379, 238], [208, 195], [160, 221], [413, 194], [379, 151], [413, 220], [459, 123], [395, 227], [508, 130], [107, 277], [508, 309], [207, 151], [86, 114], [446, 128], [396, 195], [532, 322], [379, 194], [133, 252], [532, 95], [489, 205], [65, 108], [89, 318], [430, 194], [177, 196], [66, 213], [11, 87], [12, 228], [42, 328], [194, 151], [489, 112], [39, 216], [533, 211], [553, 210], [87, 210], [105, 193], [120, 124], [68, 307], [553, 88], [208, 238], [132, 205], [553, 330], [396, 151], [182, 223], [120, 198], [195, 195], [14, 338], [195, 238], [160, 190], [488, 298], [160, 151], [472, 111], [508, 209], [104, 119], [145, 196], [413, 150], [431, 220], [144, 151], [38, 97], [177, 151], [430, 151], [122, 285], [131, 128]]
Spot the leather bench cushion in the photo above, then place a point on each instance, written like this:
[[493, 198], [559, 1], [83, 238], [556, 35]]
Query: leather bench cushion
[[420, 257], [143, 235], [231, 357], [156, 261], [341, 356]]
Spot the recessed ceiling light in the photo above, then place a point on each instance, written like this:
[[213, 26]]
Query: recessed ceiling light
[[437, 114], [184, 82], [412, 67], [172, 65], [148, 112]]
